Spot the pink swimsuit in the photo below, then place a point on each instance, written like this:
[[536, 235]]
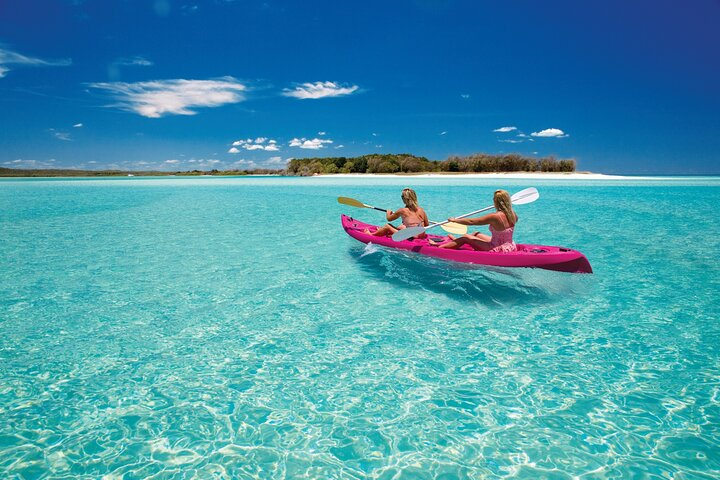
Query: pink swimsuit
[[502, 240]]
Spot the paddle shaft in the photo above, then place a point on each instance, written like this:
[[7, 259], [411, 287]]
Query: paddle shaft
[[518, 196], [440, 224], [376, 208]]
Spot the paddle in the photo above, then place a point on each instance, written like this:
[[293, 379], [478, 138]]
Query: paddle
[[451, 227], [524, 196]]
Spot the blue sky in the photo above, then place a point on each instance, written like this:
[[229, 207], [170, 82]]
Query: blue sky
[[623, 87]]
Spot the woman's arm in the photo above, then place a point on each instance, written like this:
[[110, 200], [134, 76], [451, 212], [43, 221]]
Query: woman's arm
[[390, 215], [426, 222], [484, 220]]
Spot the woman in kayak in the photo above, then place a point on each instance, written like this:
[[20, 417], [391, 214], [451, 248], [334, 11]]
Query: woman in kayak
[[502, 223], [412, 215]]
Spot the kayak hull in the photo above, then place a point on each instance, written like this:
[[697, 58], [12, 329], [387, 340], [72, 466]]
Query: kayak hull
[[527, 256]]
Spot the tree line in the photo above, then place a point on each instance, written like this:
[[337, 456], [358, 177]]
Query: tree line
[[406, 163]]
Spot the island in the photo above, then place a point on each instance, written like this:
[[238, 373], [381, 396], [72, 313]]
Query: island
[[403, 163]]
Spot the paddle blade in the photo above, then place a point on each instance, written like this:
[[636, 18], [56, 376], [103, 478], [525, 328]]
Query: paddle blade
[[406, 233], [456, 228], [351, 201], [525, 196]]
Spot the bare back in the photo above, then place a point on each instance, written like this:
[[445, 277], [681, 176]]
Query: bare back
[[499, 221], [413, 218], [410, 218]]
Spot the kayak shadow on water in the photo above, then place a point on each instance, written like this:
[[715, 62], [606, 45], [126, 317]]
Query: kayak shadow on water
[[494, 286]]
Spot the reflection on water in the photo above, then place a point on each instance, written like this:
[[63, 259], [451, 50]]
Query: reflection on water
[[467, 282]]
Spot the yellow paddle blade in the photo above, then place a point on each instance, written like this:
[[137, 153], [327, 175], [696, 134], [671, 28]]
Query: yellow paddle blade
[[455, 228], [352, 202]]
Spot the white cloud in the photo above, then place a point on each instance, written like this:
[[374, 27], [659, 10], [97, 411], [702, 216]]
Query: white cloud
[[321, 133], [246, 163], [64, 136], [256, 144], [550, 132], [505, 129], [443, 133], [316, 90], [158, 98], [277, 161], [8, 57], [173, 164], [465, 95], [314, 144], [78, 125], [510, 141], [340, 146], [208, 163], [23, 163], [136, 61]]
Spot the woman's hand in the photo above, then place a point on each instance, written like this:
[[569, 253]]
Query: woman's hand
[[454, 220]]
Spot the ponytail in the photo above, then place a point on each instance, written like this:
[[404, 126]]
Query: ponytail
[[503, 203], [409, 197]]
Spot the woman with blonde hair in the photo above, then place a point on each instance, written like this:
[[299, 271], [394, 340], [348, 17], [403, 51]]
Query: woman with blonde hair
[[501, 224], [412, 215]]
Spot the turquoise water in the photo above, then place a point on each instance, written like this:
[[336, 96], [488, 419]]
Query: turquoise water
[[228, 328]]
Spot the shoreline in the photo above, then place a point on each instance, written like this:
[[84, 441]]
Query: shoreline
[[512, 175], [427, 175]]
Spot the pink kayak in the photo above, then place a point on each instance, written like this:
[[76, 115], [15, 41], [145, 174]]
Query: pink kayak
[[533, 256]]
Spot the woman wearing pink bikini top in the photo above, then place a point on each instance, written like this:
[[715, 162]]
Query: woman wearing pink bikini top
[[412, 215], [502, 223]]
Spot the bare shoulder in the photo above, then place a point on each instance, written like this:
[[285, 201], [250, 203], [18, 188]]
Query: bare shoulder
[[497, 220]]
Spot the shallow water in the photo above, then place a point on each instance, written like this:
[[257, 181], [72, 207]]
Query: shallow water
[[227, 327]]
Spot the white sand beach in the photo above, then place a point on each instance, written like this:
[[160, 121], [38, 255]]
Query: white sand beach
[[513, 175]]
